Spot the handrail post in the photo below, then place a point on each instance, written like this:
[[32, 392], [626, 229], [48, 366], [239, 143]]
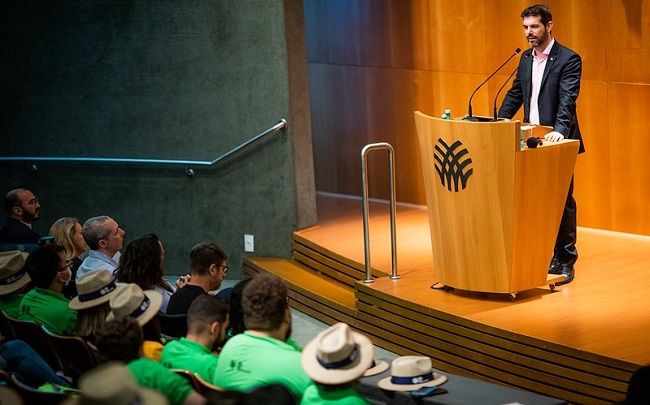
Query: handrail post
[[366, 208]]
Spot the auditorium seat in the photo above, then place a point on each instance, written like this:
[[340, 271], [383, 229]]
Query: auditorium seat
[[31, 333], [75, 355]]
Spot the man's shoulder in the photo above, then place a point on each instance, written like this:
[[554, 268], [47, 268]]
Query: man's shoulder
[[14, 231], [181, 299]]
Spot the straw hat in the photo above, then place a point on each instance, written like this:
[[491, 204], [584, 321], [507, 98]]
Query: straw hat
[[12, 275], [376, 367], [409, 373], [113, 384], [94, 288], [337, 355], [132, 301]]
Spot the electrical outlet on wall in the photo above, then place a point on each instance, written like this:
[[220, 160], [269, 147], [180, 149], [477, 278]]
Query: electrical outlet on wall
[[249, 243]]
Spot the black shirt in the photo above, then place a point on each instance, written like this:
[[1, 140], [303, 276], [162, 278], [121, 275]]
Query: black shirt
[[181, 300]]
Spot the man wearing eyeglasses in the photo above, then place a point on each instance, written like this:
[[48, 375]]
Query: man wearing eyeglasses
[[208, 265], [22, 209]]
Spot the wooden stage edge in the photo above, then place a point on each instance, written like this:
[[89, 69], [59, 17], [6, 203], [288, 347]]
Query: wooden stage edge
[[580, 343]]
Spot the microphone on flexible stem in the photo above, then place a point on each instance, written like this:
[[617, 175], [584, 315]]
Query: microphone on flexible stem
[[469, 109], [534, 142], [499, 92]]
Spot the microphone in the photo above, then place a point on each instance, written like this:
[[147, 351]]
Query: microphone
[[499, 92], [534, 142], [469, 109]]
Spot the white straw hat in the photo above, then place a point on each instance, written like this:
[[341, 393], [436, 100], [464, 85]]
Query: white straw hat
[[94, 288], [409, 373], [13, 276], [132, 301], [337, 355]]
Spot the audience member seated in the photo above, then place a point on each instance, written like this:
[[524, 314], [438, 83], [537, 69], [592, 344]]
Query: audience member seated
[[236, 324], [207, 321], [260, 356], [335, 360], [95, 290], [142, 264], [50, 272], [112, 383], [104, 238], [22, 209], [67, 233], [121, 340], [19, 359], [208, 269], [143, 306], [13, 281]]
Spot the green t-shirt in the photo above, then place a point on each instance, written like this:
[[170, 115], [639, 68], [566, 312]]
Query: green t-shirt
[[317, 394], [248, 361], [151, 374], [50, 309], [188, 355], [10, 304]]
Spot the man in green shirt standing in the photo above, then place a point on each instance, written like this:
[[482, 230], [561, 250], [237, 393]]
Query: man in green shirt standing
[[207, 322], [260, 355]]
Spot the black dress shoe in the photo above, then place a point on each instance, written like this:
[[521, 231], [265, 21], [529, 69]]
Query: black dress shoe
[[568, 273], [555, 267]]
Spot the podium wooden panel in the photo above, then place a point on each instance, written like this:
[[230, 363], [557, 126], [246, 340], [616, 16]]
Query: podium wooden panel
[[496, 234]]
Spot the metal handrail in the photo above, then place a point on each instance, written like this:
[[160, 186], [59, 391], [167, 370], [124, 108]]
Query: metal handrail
[[366, 207], [282, 124]]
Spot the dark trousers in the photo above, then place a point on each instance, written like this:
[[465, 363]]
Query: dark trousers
[[565, 244]]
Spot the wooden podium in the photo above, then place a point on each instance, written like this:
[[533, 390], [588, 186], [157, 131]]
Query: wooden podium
[[494, 208]]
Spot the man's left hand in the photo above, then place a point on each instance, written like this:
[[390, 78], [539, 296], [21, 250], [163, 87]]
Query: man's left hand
[[553, 137]]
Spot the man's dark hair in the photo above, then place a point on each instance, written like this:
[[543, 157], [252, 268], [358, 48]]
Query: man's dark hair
[[538, 10], [43, 264], [119, 340], [205, 310], [12, 199], [203, 256], [94, 230], [236, 324], [264, 302]]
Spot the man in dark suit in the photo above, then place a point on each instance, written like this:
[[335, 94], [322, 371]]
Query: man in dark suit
[[547, 84], [22, 209]]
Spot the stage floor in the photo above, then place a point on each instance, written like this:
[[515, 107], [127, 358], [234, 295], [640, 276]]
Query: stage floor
[[604, 311]]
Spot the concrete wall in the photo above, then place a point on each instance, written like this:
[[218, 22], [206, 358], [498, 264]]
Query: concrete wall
[[169, 80]]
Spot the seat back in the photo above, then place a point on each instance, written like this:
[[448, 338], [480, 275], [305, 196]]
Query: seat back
[[34, 396], [75, 355], [172, 327], [190, 377], [31, 333], [5, 327]]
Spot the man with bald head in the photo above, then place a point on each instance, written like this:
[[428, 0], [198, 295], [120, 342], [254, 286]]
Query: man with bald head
[[104, 238], [22, 209]]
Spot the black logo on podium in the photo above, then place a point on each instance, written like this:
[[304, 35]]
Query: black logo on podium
[[452, 164]]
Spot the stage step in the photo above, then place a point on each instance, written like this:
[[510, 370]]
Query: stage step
[[310, 291]]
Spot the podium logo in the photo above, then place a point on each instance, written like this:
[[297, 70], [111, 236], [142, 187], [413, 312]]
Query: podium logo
[[452, 164]]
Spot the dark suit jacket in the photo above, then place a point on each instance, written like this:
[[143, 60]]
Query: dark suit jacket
[[557, 95], [14, 231]]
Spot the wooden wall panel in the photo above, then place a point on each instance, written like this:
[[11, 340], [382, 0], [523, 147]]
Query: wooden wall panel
[[373, 62], [629, 105], [593, 173], [628, 41]]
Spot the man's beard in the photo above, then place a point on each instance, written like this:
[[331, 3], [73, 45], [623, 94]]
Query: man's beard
[[28, 216]]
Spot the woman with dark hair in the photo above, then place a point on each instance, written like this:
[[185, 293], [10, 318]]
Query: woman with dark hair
[[45, 304], [142, 264]]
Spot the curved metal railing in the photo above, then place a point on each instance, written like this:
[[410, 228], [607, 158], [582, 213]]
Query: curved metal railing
[[282, 124], [366, 208]]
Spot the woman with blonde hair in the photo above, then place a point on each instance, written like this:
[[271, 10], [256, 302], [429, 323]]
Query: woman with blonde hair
[[67, 233]]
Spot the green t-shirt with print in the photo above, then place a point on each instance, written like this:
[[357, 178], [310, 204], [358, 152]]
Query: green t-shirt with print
[[248, 360]]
